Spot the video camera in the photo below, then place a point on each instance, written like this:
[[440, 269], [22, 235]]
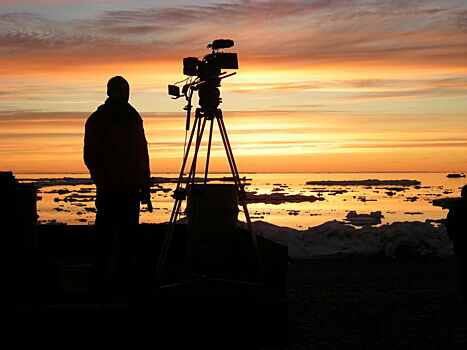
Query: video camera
[[211, 64], [205, 75]]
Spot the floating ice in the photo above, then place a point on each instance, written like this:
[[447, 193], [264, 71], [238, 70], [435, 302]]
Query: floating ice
[[73, 181], [374, 218], [63, 181], [51, 222], [455, 175], [369, 182], [445, 203], [278, 198]]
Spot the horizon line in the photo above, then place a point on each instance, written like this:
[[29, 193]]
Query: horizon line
[[270, 172]]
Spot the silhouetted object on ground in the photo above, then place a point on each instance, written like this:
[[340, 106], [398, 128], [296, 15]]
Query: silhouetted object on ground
[[116, 154], [456, 225], [18, 215]]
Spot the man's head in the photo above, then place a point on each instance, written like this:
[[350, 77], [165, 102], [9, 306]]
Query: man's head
[[118, 89], [464, 192]]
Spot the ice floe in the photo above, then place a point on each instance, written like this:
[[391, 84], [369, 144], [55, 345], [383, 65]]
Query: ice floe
[[374, 218], [445, 203], [278, 198], [369, 182]]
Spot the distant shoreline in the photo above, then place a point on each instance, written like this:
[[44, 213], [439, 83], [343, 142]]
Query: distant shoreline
[[259, 173]]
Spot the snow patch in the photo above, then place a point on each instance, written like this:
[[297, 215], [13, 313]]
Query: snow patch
[[337, 238]]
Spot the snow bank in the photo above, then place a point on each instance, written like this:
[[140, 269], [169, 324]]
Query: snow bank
[[337, 238]]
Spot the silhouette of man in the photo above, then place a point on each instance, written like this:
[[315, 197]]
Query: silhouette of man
[[456, 225], [116, 154]]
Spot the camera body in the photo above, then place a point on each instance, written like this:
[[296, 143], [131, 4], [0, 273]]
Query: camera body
[[210, 65], [204, 76]]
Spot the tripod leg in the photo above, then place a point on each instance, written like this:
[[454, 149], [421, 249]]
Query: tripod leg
[[167, 239], [242, 194], [176, 209], [230, 157], [208, 152], [185, 157], [197, 146]]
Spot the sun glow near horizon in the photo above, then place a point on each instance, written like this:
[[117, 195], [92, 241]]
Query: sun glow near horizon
[[360, 86]]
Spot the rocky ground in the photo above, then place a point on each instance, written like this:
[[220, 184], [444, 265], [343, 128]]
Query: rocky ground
[[375, 303]]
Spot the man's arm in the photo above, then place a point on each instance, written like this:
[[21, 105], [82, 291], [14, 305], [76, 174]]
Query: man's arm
[[452, 223], [146, 190], [93, 150]]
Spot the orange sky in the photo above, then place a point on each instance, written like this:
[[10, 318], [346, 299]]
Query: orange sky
[[322, 86]]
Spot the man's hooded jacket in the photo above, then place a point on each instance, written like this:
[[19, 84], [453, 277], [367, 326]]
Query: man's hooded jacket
[[115, 148]]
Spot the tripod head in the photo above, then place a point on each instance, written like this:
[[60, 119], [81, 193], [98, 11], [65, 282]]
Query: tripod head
[[205, 77]]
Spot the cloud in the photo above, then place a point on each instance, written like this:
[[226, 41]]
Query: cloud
[[43, 2], [443, 82], [267, 32], [56, 138], [357, 90]]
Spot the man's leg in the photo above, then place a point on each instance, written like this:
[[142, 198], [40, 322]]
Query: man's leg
[[104, 236], [462, 258], [128, 226]]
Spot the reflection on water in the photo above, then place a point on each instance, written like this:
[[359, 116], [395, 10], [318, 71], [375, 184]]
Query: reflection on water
[[72, 201]]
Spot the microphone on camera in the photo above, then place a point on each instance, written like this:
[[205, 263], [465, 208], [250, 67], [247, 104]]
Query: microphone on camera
[[221, 44]]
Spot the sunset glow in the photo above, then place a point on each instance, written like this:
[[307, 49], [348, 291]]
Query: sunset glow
[[325, 86]]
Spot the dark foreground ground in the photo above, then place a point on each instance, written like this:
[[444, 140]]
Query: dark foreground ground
[[359, 303], [339, 303]]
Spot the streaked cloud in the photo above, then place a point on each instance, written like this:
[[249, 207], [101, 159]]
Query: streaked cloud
[[46, 2], [338, 78], [268, 135], [305, 33]]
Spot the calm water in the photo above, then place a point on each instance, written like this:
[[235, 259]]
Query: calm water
[[74, 204]]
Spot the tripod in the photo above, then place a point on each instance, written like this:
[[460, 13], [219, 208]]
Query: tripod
[[202, 117]]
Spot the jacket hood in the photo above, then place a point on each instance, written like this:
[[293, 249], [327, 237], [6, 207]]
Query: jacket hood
[[119, 111]]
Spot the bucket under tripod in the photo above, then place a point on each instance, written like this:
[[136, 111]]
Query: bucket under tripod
[[212, 211], [214, 242]]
